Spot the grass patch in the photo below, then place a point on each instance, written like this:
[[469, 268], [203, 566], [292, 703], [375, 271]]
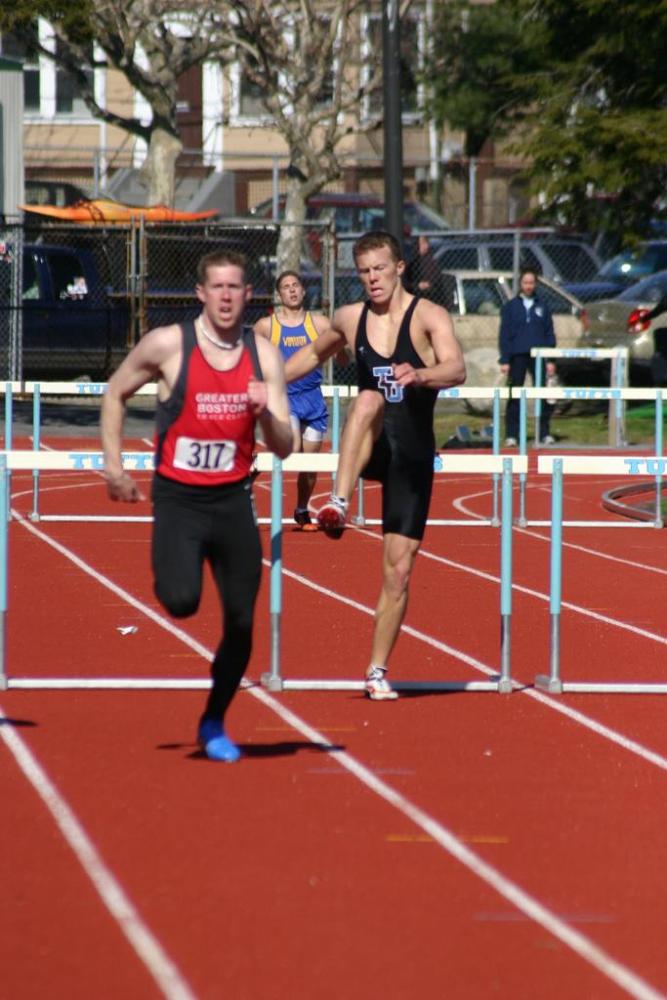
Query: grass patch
[[579, 426]]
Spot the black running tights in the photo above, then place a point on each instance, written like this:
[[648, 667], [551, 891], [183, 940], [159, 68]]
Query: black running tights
[[216, 524]]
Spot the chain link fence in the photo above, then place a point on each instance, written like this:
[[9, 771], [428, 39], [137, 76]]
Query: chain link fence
[[74, 299]]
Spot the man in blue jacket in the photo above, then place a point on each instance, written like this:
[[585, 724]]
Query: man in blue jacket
[[525, 322]]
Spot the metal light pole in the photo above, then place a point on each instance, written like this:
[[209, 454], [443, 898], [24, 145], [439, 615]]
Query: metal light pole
[[393, 136]]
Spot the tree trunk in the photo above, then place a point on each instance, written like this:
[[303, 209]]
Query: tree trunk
[[291, 236], [159, 168]]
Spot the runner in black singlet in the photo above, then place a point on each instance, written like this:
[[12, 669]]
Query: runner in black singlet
[[402, 457], [406, 351]]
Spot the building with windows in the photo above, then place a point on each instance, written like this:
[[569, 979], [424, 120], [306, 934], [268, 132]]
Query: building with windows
[[225, 129]]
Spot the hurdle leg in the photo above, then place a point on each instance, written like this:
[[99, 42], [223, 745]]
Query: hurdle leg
[[553, 683], [36, 442], [658, 450], [272, 679], [4, 536], [335, 431], [538, 401], [505, 682], [523, 438], [9, 412], [495, 520]]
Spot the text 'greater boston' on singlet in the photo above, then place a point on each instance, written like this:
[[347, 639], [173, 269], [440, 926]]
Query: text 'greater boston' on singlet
[[205, 430]]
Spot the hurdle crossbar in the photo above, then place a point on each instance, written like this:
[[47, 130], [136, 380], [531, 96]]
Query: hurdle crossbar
[[619, 372], [505, 465], [557, 466], [84, 461]]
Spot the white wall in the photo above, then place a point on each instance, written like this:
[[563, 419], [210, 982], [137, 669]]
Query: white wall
[[11, 137]]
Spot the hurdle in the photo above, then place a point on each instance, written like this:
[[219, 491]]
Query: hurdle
[[506, 466], [140, 461], [591, 393], [92, 390], [557, 466], [618, 380]]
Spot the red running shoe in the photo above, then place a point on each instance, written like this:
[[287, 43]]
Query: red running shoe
[[331, 517]]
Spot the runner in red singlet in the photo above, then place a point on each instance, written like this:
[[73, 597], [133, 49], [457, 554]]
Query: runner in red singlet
[[216, 381]]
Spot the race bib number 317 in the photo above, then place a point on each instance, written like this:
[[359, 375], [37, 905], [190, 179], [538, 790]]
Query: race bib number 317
[[204, 456]]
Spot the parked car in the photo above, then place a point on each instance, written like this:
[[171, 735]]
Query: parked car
[[558, 259], [353, 213], [76, 321], [637, 319], [623, 270], [474, 300]]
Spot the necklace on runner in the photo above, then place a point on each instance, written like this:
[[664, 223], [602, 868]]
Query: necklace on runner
[[219, 343]]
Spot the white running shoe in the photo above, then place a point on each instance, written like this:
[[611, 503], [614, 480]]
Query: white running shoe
[[511, 442], [378, 687]]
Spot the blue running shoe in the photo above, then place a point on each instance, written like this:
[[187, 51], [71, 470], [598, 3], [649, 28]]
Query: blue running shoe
[[215, 744]]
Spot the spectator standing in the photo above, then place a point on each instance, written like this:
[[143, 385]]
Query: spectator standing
[[424, 273], [525, 322]]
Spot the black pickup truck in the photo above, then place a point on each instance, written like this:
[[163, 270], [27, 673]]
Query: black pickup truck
[[69, 323], [77, 322]]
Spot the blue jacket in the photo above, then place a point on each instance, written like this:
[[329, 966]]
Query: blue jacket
[[520, 329]]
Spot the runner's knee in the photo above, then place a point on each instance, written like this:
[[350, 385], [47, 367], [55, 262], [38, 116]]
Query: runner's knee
[[179, 601]]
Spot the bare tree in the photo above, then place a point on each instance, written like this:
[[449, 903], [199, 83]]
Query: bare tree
[[151, 42], [307, 59], [312, 70]]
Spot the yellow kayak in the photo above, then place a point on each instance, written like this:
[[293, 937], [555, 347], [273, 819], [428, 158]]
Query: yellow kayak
[[100, 210]]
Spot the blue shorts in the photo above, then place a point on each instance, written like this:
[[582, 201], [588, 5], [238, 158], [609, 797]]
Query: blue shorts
[[310, 409]]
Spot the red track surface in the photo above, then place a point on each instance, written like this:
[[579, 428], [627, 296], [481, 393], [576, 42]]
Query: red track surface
[[358, 871]]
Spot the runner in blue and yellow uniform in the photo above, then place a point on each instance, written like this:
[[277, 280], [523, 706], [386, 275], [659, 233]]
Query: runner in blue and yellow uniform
[[290, 328], [406, 350]]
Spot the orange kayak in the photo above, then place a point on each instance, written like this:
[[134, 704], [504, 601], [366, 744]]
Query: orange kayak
[[100, 210]]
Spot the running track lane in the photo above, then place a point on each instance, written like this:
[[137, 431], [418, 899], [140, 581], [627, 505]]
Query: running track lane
[[393, 742]]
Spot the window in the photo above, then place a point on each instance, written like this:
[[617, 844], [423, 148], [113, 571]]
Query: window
[[250, 99], [572, 261], [26, 52], [463, 259], [501, 258], [65, 271], [30, 282], [649, 290], [558, 304], [482, 297], [68, 90]]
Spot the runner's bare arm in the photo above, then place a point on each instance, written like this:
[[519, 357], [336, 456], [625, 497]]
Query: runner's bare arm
[[268, 401], [142, 364], [446, 367], [323, 325], [328, 343], [263, 327]]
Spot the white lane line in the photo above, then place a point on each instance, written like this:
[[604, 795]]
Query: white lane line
[[461, 507], [610, 734], [164, 972], [614, 970], [483, 575]]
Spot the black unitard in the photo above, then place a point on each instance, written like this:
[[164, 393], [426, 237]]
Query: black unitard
[[402, 457]]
